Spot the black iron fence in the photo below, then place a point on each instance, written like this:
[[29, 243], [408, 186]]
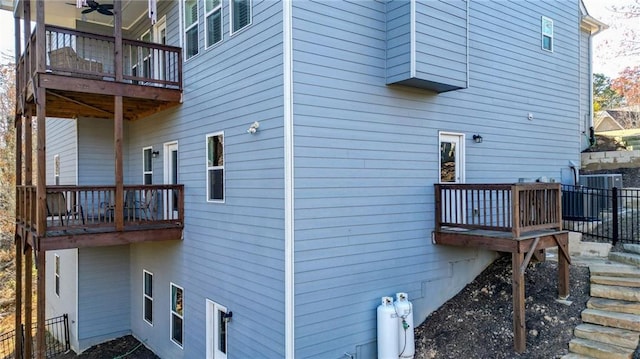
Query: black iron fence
[[602, 215], [56, 337]]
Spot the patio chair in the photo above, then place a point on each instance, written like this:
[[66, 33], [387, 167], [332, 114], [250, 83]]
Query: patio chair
[[143, 208], [57, 209]]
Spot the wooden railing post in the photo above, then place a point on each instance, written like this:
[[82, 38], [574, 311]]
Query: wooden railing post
[[515, 210], [438, 203]]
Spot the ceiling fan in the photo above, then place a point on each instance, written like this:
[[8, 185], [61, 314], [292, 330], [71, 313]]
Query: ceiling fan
[[91, 5]]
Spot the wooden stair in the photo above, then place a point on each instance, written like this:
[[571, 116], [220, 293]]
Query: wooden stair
[[611, 322]]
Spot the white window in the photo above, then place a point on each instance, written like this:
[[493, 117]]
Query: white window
[[215, 167], [240, 14], [213, 20], [147, 296], [190, 28], [177, 314], [217, 318], [56, 272], [547, 34], [56, 169], [147, 165]]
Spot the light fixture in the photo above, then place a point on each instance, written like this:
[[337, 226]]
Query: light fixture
[[477, 138], [253, 128], [155, 154]]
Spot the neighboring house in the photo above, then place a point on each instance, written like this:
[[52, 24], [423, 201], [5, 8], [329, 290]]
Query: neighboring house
[[253, 190], [623, 124]]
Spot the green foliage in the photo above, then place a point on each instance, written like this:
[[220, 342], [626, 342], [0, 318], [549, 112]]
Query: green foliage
[[604, 96]]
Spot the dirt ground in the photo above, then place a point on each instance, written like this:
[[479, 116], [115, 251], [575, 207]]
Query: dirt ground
[[476, 323]]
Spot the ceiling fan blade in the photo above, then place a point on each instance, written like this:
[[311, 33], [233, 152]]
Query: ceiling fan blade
[[86, 11], [104, 11], [107, 6]]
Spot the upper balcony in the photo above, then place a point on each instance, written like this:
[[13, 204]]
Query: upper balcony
[[81, 80]]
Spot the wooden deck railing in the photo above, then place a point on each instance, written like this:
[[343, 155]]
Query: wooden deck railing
[[86, 207], [83, 54], [516, 208]]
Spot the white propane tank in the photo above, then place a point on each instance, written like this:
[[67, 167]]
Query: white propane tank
[[404, 310], [387, 330]]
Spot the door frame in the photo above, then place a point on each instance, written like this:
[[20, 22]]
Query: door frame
[[459, 139], [167, 169], [159, 63]]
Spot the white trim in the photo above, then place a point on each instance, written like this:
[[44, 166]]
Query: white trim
[[412, 21], [207, 168], [184, 28], [231, 32], [167, 174], [56, 274], [206, 25], [461, 152], [56, 169], [171, 313], [144, 173], [144, 296], [289, 224], [467, 43], [212, 320], [544, 20]]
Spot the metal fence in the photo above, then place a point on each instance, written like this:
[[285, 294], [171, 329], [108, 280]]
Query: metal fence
[[602, 215], [56, 337]]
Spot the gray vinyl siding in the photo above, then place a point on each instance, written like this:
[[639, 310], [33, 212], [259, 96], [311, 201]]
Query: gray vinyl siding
[[366, 156], [62, 140], [104, 284], [585, 86], [67, 301], [232, 252], [96, 156], [438, 30]]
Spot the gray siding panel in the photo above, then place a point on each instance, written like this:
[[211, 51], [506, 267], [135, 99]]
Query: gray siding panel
[[367, 154], [104, 287], [62, 140]]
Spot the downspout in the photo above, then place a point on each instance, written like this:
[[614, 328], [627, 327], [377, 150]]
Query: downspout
[[289, 233]]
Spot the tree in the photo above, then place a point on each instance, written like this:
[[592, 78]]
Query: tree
[[604, 96], [628, 85], [630, 41]]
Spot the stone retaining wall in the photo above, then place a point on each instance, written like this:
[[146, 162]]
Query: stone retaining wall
[[592, 161]]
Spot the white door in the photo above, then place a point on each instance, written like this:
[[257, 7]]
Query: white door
[[452, 171], [171, 177], [160, 37]]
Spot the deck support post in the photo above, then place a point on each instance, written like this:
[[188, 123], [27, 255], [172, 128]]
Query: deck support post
[[40, 294], [519, 333], [28, 300], [563, 265], [18, 313], [118, 118]]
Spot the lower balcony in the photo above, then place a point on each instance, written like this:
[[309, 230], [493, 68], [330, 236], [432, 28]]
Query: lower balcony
[[86, 216]]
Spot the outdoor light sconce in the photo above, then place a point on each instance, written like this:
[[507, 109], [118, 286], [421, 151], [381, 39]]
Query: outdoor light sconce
[[477, 138], [253, 128], [155, 154], [227, 317]]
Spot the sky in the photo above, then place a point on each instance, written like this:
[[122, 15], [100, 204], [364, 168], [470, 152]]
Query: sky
[[604, 60]]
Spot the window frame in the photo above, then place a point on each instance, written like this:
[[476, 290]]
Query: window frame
[[56, 169], [214, 168], [186, 29], [206, 24], [56, 274], [213, 311], [146, 172], [172, 313], [544, 33], [147, 296], [231, 22]]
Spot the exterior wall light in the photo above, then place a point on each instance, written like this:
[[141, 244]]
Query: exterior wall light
[[477, 138], [155, 154]]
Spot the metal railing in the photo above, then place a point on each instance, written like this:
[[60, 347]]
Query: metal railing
[[604, 215], [516, 208], [57, 339]]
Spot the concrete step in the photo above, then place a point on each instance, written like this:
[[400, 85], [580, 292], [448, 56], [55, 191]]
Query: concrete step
[[614, 305], [575, 356], [631, 248], [629, 258], [611, 319], [615, 292], [614, 336], [621, 281], [599, 350], [614, 269]]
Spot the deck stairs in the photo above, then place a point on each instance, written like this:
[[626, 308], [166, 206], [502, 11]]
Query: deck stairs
[[611, 321]]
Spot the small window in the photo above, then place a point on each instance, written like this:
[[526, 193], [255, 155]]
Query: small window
[[547, 34], [213, 10], [215, 167], [177, 314], [57, 274], [240, 14], [191, 28], [217, 318], [56, 169], [147, 165], [147, 296]]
